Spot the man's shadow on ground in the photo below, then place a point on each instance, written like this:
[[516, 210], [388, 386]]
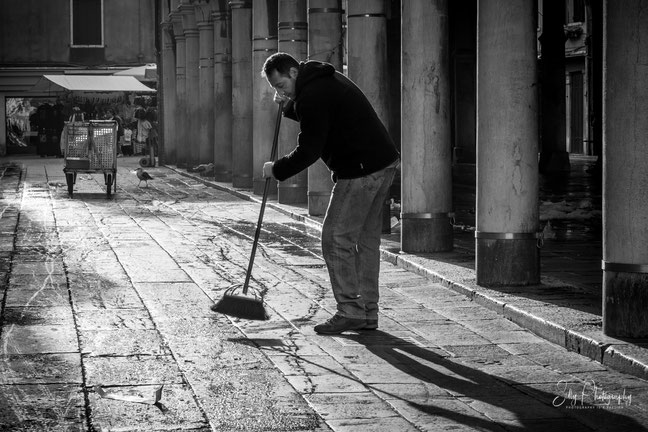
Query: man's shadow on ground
[[576, 412], [426, 365]]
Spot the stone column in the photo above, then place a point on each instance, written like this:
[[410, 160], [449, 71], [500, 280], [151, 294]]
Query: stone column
[[3, 125], [507, 144], [168, 156], [325, 43], [181, 146], [264, 44], [241, 93], [367, 57], [205, 84], [221, 19], [367, 62], [426, 184], [293, 39], [625, 169], [190, 128]]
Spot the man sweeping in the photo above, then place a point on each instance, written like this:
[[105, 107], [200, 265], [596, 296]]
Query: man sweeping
[[339, 125]]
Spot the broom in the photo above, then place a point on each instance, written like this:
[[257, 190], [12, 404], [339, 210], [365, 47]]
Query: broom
[[240, 304]]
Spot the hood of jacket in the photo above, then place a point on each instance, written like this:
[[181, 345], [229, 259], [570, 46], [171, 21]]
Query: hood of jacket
[[309, 71]]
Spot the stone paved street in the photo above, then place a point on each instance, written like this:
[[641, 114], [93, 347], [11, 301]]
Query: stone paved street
[[112, 297]]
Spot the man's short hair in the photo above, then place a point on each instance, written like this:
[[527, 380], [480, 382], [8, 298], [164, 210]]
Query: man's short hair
[[281, 62]]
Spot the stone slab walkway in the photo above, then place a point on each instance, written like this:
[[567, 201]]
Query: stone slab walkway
[[113, 296]]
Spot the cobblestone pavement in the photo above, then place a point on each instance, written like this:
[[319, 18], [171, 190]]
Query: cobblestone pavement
[[105, 301]]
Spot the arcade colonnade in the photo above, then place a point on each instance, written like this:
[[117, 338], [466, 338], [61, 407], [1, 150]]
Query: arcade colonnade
[[217, 108]]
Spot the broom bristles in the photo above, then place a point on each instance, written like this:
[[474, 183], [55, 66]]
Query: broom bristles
[[241, 306]]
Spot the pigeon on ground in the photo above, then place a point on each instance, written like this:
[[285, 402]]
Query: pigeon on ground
[[143, 176]]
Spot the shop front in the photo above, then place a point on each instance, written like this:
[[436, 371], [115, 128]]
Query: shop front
[[34, 120]]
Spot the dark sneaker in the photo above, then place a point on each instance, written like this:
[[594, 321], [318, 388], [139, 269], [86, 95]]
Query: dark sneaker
[[372, 324], [338, 324]]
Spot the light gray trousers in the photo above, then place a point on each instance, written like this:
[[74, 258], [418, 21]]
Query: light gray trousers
[[351, 241]]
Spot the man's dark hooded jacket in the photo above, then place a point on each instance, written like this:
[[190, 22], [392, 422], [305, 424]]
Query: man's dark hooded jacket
[[337, 123]]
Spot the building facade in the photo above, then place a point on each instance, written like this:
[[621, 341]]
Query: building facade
[[64, 37]]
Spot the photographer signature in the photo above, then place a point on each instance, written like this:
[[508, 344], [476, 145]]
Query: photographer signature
[[589, 395]]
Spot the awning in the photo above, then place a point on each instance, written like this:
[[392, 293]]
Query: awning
[[89, 83], [142, 73]]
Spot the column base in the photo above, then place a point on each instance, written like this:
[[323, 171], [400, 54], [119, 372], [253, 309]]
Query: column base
[[223, 176], [292, 194], [191, 165], [386, 218], [318, 203], [168, 159], [426, 235], [507, 262], [625, 302], [259, 186], [242, 181]]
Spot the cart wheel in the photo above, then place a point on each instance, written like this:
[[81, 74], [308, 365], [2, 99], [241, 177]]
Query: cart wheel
[[69, 179], [144, 162], [109, 183]]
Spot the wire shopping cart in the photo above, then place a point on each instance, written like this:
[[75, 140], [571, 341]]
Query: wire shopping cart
[[90, 147]]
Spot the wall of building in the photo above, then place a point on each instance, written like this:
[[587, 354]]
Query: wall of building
[[129, 31], [34, 31], [38, 32]]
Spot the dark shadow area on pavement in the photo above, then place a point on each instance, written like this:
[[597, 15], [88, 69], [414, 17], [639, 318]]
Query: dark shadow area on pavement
[[427, 366], [578, 406]]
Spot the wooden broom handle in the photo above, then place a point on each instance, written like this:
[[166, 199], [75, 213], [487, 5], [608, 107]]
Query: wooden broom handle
[[266, 189]]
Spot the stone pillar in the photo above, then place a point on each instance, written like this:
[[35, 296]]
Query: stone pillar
[[3, 125], [426, 184], [190, 128], [293, 39], [241, 93], [181, 146], [324, 44], [507, 144], [205, 84], [367, 62], [169, 142], [221, 19], [625, 169], [553, 154], [264, 44], [367, 57]]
